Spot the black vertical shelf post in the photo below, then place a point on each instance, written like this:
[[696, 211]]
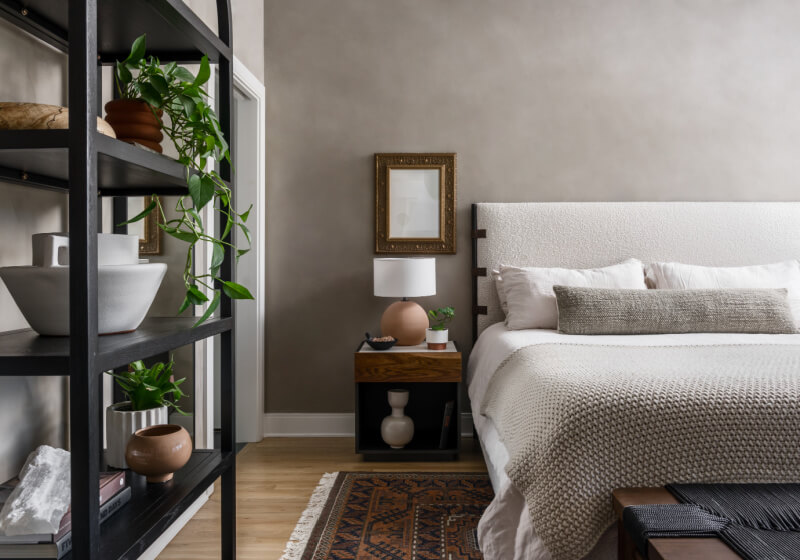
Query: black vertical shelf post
[[84, 377], [227, 377]]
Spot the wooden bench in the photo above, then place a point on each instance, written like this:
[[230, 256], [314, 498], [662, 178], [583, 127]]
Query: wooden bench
[[664, 549]]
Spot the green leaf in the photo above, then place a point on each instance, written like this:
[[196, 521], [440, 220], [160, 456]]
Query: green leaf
[[245, 231], [228, 226], [217, 258], [210, 143], [201, 189], [184, 306], [187, 236], [236, 291], [137, 50], [183, 74], [211, 308], [197, 219], [204, 73], [170, 68], [195, 296], [240, 252], [246, 214], [124, 75], [188, 104], [141, 214], [150, 94], [160, 84]]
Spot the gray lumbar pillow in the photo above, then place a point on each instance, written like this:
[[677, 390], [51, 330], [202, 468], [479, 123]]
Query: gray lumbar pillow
[[613, 311]]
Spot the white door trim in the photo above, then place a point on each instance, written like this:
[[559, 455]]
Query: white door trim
[[251, 315]]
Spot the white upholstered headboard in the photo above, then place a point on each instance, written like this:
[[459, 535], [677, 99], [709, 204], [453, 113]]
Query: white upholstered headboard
[[592, 234]]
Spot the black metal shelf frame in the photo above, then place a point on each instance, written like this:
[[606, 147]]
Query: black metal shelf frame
[[96, 32]]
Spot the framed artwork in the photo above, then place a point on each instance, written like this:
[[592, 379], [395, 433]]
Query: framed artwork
[[148, 231], [415, 203]]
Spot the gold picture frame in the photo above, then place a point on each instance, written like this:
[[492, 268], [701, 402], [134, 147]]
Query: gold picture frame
[[150, 244], [415, 203]]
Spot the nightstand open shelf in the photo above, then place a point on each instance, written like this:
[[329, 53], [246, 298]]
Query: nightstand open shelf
[[432, 378]]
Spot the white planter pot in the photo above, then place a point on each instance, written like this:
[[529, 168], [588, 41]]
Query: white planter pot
[[120, 426], [437, 340]]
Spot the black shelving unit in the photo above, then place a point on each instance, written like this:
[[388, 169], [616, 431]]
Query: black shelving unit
[[86, 165]]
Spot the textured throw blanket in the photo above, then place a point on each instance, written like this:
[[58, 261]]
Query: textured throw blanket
[[579, 421]]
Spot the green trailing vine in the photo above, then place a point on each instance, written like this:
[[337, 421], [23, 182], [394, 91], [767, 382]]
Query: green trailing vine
[[194, 128]]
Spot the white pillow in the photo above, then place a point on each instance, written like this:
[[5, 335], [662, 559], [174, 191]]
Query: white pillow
[[532, 302], [786, 274], [501, 291]]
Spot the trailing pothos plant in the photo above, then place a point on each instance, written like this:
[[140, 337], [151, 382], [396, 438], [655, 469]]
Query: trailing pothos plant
[[194, 128]]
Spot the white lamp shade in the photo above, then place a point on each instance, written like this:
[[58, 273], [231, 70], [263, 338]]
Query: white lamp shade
[[404, 278]]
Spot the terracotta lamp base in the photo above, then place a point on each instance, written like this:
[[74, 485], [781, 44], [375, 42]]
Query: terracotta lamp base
[[406, 321]]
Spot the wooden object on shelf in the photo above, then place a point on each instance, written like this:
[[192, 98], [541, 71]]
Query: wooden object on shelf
[[664, 548], [36, 116], [432, 378]]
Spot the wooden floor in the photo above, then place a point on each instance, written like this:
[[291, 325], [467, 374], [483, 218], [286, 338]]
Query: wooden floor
[[274, 480]]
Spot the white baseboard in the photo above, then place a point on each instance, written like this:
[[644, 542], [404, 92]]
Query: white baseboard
[[301, 424], [166, 537]]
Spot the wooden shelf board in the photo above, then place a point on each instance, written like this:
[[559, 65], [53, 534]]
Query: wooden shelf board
[[153, 507], [23, 352], [40, 158], [174, 31]]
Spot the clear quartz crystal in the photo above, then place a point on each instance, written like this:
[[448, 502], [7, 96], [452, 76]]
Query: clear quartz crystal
[[42, 496]]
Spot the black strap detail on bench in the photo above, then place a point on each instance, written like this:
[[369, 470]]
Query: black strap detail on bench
[[673, 520], [758, 521]]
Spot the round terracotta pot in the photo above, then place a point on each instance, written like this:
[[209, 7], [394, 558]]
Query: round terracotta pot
[[158, 451], [133, 121]]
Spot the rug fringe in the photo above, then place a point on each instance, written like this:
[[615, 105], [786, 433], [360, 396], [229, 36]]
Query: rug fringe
[[302, 531]]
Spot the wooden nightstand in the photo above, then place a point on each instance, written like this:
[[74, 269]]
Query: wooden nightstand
[[432, 377]]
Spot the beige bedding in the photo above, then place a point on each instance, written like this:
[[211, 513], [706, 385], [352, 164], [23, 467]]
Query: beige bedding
[[581, 420]]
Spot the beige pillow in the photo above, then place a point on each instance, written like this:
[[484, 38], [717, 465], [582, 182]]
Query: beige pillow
[[529, 291], [609, 311], [672, 275]]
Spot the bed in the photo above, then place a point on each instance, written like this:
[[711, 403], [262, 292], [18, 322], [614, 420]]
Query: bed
[[587, 235]]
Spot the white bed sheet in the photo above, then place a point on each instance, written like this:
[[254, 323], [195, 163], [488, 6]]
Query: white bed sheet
[[505, 531]]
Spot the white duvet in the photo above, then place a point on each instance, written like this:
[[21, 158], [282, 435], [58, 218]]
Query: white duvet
[[505, 532]]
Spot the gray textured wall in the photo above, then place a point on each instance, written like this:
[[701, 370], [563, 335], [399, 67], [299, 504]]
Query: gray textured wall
[[543, 101]]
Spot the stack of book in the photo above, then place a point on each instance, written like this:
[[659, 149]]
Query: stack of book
[[114, 493]]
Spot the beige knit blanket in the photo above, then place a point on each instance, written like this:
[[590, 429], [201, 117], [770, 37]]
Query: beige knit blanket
[[579, 421]]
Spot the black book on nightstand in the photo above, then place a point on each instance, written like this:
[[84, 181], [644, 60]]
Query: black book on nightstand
[[448, 414]]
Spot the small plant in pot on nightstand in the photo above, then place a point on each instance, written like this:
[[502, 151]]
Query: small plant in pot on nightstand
[[150, 391], [437, 334]]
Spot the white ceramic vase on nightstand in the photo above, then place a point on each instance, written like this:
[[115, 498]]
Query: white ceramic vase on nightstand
[[397, 429]]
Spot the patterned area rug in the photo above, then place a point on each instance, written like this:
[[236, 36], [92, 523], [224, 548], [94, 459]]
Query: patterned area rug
[[392, 516]]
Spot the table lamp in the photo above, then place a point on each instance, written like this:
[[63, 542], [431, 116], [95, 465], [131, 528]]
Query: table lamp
[[404, 278]]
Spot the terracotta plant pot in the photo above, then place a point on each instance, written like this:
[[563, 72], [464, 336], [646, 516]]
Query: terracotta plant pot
[[158, 451], [133, 121]]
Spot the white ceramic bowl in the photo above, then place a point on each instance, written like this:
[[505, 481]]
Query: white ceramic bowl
[[125, 293]]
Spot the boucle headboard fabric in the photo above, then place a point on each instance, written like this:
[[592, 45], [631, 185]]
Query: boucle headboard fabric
[[594, 234]]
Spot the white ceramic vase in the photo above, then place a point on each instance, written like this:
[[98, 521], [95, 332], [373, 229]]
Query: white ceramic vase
[[125, 287], [121, 425], [437, 339], [397, 429]]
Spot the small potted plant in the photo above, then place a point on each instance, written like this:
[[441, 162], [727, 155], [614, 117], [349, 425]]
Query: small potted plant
[[437, 335], [150, 391]]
